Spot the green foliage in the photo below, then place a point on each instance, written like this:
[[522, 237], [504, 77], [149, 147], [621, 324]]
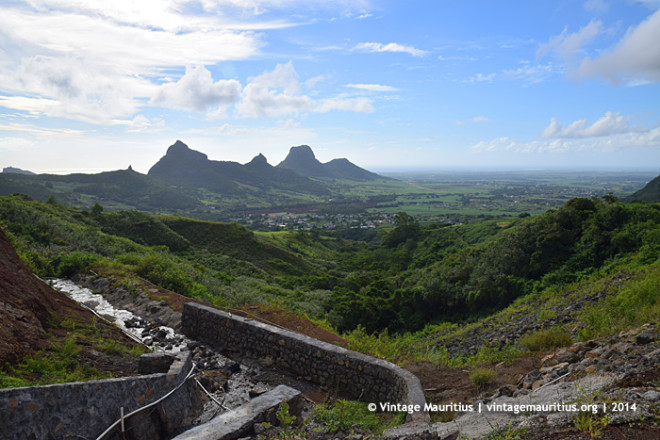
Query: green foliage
[[59, 364], [546, 339], [75, 262], [96, 210], [483, 377], [459, 272], [631, 305], [381, 345], [406, 228], [508, 433], [590, 423], [343, 415]]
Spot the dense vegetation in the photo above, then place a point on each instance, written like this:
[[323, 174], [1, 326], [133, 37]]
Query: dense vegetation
[[409, 277], [472, 270]]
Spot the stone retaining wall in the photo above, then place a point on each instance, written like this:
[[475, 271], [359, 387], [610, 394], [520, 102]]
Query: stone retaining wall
[[86, 409], [345, 371]]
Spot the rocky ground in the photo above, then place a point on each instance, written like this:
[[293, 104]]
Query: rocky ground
[[621, 372]]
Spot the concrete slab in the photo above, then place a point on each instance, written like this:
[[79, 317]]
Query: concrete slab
[[239, 422]]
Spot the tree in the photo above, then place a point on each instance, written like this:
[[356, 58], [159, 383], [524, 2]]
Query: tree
[[96, 209], [406, 227]]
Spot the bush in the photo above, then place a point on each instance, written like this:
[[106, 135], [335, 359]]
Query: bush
[[546, 339], [482, 377], [75, 262], [343, 415]]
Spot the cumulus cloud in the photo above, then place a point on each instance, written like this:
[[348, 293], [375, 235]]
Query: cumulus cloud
[[610, 124], [102, 61], [607, 143], [274, 93], [360, 105], [72, 87], [373, 87], [637, 54], [567, 46], [390, 47], [279, 93], [197, 91]]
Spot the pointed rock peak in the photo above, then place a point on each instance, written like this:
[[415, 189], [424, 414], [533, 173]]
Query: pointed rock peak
[[260, 159], [303, 151], [179, 148]]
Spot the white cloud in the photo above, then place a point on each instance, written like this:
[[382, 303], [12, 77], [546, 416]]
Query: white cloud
[[197, 91], [601, 144], [480, 77], [278, 93], [637, 54], [373, 87], [596, 6], [610, 124], [390, 47], [72, 87], [40, 131], [274, 93], [532, 73], [568, 46], [101, 61], [475, 120], [360, 105]]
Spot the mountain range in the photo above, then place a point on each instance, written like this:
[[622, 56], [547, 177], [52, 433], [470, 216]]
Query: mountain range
[[185, 180], [301, 159]]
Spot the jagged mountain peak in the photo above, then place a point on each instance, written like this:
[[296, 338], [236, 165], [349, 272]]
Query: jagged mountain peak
[[259, 160], [179, 150], [302, 151], [302, 160]]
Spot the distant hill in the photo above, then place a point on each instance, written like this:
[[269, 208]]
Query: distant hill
[[650, 193], [121, 188], [302, 160], [184, 167], [16, 171], [185, 181]]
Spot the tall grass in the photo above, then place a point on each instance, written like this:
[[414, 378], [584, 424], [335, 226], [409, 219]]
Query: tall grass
[[635, 303]]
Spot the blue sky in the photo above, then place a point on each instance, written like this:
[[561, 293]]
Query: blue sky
[[88, 85]]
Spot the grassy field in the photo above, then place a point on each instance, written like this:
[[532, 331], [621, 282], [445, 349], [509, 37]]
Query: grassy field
[[442, 194]]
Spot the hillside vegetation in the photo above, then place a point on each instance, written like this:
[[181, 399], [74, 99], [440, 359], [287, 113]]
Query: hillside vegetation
[[414, 278]]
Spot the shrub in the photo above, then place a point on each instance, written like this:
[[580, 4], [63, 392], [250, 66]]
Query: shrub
[[75, 262], [483, 377], [546, 339], [345, 414]]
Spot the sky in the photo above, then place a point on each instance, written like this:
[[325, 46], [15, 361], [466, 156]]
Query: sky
[[96, 85]]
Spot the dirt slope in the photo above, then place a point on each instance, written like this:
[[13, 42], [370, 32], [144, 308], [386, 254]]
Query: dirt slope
[[30, 311]]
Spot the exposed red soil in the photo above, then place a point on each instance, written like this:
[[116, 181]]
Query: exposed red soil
[[260, 312], [290, 321], [31, 313], [453, 384]]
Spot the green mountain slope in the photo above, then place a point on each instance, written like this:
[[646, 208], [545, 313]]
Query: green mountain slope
[[650, 193], [416, 275], [118, 189]]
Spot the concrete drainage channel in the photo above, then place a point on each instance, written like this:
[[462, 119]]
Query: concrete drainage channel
[[167, 400]]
